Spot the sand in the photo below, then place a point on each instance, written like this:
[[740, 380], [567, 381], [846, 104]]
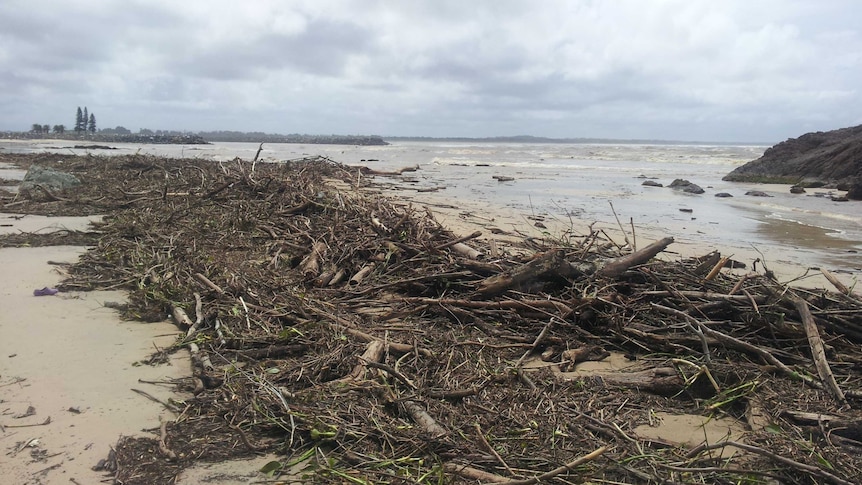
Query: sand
[[69, 359]]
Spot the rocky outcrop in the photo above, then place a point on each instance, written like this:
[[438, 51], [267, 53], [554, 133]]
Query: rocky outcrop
[[813, 159]]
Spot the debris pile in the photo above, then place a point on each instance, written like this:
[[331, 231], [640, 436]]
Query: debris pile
[[358, 340]]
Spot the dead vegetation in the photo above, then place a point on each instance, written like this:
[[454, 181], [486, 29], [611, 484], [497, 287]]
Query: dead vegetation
[[359, 341]]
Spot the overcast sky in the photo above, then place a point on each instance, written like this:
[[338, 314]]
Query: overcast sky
[[728, 70]]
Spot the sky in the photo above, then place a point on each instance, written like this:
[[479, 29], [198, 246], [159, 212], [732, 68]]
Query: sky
[[705, 70]]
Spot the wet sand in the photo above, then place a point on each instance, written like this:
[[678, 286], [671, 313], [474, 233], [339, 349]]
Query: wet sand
[[68, 366]]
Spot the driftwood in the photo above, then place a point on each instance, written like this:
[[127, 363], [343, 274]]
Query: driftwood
[[447, 335], [310, 266], [549, 263], [817, 351], [664, 381], [618, 266]]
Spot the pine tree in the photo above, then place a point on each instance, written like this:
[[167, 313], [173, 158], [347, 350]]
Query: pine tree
[[84, 119], [91, 126], [79, 121]]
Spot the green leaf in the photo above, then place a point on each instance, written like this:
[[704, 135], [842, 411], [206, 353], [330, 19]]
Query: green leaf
[[271, 468]]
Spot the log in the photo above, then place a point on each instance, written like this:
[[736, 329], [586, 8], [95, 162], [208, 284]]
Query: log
[[619, 266], [817, 351], [310, 265], [361, 274], [664, 381], [549, 263], [423, 419]]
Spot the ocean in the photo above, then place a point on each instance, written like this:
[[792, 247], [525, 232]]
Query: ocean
[[580, 184]]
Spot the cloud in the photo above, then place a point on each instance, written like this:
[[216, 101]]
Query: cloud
[[675, 69]]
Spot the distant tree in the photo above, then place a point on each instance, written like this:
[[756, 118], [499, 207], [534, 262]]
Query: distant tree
[[36, 128], [79, 121], [91, 125], [60, 129], [46, 129], [145, 131], [84, 118], [121, 130]]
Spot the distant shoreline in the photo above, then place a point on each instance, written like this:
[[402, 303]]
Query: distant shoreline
[[200, 138], [582, 141]]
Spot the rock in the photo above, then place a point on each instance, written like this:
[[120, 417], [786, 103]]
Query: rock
[[817, 158], [687, 210], [757, 193], [842, 198], [686, 186], [651, 183], [49, 178], [854, 191], [797, 189], [723, 194]]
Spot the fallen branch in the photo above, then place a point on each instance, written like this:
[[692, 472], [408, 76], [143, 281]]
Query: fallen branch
[[817, 351]]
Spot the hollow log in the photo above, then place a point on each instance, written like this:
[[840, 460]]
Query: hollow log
[[310, 266], [361, 274]]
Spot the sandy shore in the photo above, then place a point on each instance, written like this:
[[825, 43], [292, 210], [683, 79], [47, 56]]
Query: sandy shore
[[68, 366], [506, 224]]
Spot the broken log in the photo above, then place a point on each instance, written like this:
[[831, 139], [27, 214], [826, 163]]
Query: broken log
[[545, 264], [310, 266]]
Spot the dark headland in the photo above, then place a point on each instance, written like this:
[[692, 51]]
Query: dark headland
[[830, 158]]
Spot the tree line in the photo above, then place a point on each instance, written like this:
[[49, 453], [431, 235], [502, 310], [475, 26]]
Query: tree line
[[84, 123]]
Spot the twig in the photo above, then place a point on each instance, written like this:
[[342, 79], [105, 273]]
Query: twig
[[491, 448], [43, 423], [163, 447], [557, 471]]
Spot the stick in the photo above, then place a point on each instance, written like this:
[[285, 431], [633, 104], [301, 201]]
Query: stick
[[422, 418], [837, 284], [717, 268], [817, 351], [163, 447], [491, 448], [459, 240], [472, 473], [206, 281], [557, 471]]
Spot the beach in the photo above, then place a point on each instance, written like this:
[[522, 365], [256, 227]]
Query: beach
[[573, 186], [267, 309]]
